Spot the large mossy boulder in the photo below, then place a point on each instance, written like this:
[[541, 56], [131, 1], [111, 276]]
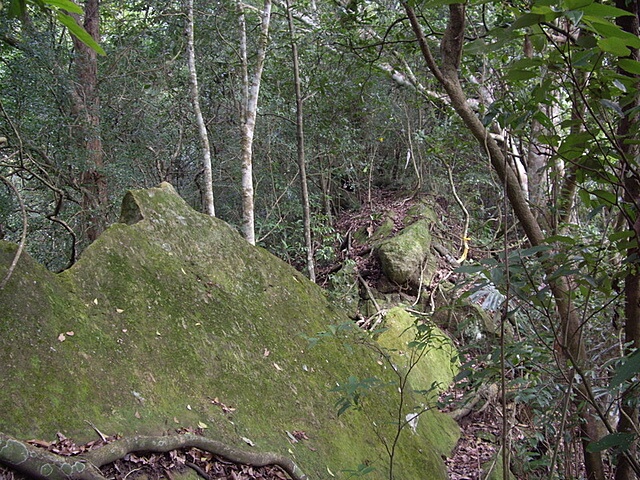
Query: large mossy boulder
[[170, 319]]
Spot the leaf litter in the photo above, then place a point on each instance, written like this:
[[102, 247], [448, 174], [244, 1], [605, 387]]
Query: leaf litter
[[155, 466]]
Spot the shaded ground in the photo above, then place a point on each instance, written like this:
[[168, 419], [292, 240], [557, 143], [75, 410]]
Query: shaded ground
[[479, 429]]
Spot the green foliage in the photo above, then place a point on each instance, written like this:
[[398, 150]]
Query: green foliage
[[353, 392], [58, 8], [360, 471]]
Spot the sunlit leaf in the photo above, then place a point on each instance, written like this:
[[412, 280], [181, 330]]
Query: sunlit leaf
[[67, 5], [615, 46], [610, 30], [79, 32]]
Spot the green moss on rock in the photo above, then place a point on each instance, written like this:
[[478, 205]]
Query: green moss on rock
[[404, 257], [170, 310], [429, 355]]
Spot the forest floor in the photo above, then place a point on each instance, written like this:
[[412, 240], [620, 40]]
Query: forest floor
[[481, 427]]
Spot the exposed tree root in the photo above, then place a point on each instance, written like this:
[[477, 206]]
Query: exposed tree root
[[42, 464]]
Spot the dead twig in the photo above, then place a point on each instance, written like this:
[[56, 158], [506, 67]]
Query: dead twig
[[23, 239]]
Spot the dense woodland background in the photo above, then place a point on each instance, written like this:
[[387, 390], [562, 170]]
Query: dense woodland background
[[520, 117]]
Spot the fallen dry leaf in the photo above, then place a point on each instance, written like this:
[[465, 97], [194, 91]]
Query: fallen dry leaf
[[225, 408]]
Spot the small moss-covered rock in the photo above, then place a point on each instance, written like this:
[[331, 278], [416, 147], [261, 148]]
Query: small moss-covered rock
[[406, 257], [171, 319], [429, 355]]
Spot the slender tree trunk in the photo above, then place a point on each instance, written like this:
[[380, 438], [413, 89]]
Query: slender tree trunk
[[85, 107], [627, 129], [251, 89], [569, 330], [202, 128], [306, 210]]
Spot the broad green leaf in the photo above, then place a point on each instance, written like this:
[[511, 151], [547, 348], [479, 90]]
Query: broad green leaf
[[614, 440], [79, 32], [629, 368], [527, 20], [615, 46], [624, 235], [542, 8], [67, 5], [574, 145], [528, 252], [470, 269], [544, 120], [574, 16], [598, 10], [587, 41], [515, 74], [613, 106], [628, 65], [525, 63], [552, 140], [610, 30], [538, 41], [561, 239], [16, 8], [576, 4], [586, 58]]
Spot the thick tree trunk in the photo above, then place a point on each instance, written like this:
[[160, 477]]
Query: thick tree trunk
[[251, 89], [569, 330], [627, 129], [202, 128], [306, 210], [85, 106]]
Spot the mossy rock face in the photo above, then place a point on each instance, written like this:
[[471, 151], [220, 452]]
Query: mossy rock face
[[170, 316], [429, 355], [406, 257]]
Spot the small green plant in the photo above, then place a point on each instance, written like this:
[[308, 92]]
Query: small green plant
[[354, 392], [360, 471]]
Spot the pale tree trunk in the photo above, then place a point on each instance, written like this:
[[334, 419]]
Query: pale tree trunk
[[627, 129], [202, 128], [569, 331], [251, 90], [85, 107], [306, 210]]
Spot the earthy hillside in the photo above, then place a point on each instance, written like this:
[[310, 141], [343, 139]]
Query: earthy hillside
[[171, 320]]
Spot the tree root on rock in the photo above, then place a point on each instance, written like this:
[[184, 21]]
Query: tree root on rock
[[41, 464]]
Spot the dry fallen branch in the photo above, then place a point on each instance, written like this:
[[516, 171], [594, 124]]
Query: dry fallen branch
[[42, 464], [23, 238]]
